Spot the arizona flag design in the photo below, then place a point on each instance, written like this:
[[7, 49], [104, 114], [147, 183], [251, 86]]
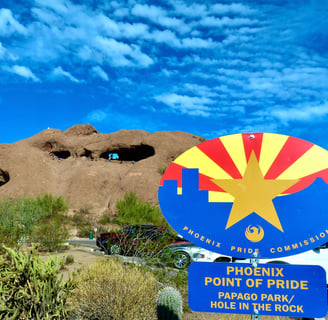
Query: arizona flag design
[[250, 192]]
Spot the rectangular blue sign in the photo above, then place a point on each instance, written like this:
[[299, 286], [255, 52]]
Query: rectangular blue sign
[[271, 289]]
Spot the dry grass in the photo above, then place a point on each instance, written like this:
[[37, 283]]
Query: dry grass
[[108, 290]]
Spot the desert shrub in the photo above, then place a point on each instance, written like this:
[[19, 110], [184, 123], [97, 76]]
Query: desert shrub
[[84, 229], [108, 290], [52, 206], [85, 224], [31, 288], [69, 260], [85, 209], [9, 229], [19, 218], [132, 210], [105, 219], [162, 169], [51, 235]]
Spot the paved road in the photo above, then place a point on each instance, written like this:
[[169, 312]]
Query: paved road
[[83, 242]]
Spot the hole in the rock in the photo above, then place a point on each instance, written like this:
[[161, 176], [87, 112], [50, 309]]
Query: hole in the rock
[[62, 154], [133, 153], [4, 177], [87, 153]]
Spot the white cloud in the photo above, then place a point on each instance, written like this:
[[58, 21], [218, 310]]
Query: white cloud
[[59, 73], [198, 43], [122, 54], [44, 15], [170, 39], [22, 71], [9, 25], [227, 22], [193, 10], [59, 6], [159, 16], [301, 113], [96, 116], [200, 90], [3, 51], [233, 8], [135, 30], [191, 105], [166, 36], [100, 73], [148, 11]]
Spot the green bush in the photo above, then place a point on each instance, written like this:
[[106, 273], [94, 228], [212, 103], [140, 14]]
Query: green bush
[[31, 288], [69, 260], [52, 206], [108, 290], [132, 210], [19, 219], [162, 169], [105, 219], [85, 209], [51, 235]]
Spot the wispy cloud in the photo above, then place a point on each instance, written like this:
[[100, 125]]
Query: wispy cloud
[[193, 106], [302, 113], [99, 72], [22, 72], [9, 25], [59, 73], [159, 16], [96, 116]]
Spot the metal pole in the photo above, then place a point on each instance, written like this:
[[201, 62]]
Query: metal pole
[[254, 262]]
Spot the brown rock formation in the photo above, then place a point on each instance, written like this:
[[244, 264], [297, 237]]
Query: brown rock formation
[[74, 164]]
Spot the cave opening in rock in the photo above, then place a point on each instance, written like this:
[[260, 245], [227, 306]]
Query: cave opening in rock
[[62, 154], [87, 153], [4, 177], [132, 153]]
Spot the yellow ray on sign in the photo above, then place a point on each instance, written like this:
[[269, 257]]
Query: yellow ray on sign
[[195, 158], [271, 146], [235, 147], [314, 160], [216, 196]]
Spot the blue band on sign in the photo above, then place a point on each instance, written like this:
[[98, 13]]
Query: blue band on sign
[[271, 289]]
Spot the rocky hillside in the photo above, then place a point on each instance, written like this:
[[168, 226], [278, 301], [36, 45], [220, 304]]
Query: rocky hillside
[[74, 164]]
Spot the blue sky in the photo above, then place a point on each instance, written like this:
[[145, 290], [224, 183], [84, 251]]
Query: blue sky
[[210, 68]]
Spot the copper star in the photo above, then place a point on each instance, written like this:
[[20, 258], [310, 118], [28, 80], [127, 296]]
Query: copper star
[[253, 193]]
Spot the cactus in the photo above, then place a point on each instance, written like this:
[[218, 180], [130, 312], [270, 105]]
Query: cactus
[[169, 304], [31, 288]]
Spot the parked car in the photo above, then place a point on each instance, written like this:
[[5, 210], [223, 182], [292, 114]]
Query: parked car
[[137, 240], [180, 255]]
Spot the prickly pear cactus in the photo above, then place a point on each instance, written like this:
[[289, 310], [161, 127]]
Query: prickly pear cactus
[[169, 304]]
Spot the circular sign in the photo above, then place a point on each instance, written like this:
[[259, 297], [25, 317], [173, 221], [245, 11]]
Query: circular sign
[[250, 192]]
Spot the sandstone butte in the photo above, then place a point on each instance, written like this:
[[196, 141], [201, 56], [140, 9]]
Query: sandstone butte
[[74, 164]]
